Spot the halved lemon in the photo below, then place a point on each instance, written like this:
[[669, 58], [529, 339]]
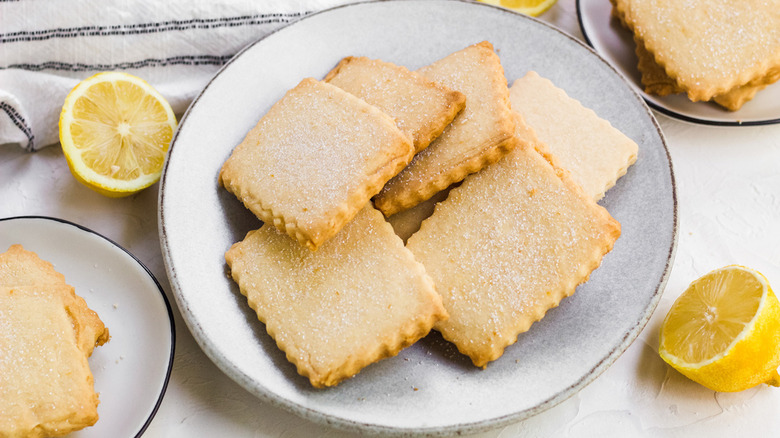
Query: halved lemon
[[533, 8], [724, 331], [115, 130]]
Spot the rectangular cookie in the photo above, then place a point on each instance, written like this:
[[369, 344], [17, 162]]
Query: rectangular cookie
[[478, 136], [589, 147], [408, 222], [421, 108], [361, 297], [47, 386], [708, 47], [314, 160], [506, 246], [656, 81], [19, 267], [47, 332]]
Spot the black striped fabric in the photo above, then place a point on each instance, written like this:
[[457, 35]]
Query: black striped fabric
[[46, 47]]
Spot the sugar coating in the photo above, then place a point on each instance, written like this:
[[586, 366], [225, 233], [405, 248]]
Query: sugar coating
[[481, 134], [314, 160], [47, 333], [359, 298], [656, 81], [506, 246], [43, 373], [420, 107], [708, 47], [22, 268], [589, 147]]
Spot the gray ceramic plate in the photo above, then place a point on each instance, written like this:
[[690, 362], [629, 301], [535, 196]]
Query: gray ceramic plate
[[615, 43], [132, 369], [429, 387]]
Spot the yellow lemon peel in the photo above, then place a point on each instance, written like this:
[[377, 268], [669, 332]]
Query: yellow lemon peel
[[724, 331], [533, 8], [115, 130]]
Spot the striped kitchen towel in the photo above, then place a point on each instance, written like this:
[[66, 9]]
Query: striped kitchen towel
[[47, 47]]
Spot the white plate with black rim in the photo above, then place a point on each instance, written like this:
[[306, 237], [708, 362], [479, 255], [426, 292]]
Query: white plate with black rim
[[615, 43], [429, 388], [132, 369]]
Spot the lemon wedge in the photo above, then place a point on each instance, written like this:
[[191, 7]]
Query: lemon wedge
[[724, 331], [533, 8], [115, 130]]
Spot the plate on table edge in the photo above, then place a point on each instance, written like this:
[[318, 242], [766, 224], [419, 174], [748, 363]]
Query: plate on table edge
[[428, 388], [56, 240], [615, 43]]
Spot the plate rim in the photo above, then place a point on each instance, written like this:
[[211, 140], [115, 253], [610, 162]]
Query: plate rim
[[313, 415], [168, 307], [662, 109]]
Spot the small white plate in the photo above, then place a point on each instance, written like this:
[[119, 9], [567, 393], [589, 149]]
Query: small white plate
[[429, 387], [131, 370], [615, 43]]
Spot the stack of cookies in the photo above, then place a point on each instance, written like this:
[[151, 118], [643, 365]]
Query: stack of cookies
[[470, 175], [712, 50], [47, 332]]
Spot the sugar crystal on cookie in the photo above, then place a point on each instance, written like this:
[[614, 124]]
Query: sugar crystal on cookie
[[314, 160]]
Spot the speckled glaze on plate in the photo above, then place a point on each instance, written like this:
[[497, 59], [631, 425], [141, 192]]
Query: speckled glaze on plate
[[132, 369], [428, 388], [615, 43]]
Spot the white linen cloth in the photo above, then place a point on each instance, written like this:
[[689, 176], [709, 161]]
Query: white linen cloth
[[47, 47]]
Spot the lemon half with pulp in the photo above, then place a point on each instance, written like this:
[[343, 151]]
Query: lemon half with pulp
[[724, 331], [115, 130]]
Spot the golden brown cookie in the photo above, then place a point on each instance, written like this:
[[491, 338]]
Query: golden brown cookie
[[506, 246], [314, 160], [47, 333], [359, 298], [589, 147], [408, 222], [480, 135], [421, 108], [708, 47], [655, 81], [19, 267]]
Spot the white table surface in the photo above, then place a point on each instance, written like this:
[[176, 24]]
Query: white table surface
[[728, 188]]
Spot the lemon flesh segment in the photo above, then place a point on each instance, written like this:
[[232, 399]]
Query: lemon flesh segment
[[115, 130], [724, 331], [533, 8]]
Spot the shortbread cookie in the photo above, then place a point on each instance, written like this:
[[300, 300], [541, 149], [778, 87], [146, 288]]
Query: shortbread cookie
[[361, 297], [46, 381], [479, 135], [47, 333], [19, 267], [589, 147], [507, 245], [408, 222], [736, 97], [655, 81], [421, 108], [708, 47], [654, 78], [314, 160]]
